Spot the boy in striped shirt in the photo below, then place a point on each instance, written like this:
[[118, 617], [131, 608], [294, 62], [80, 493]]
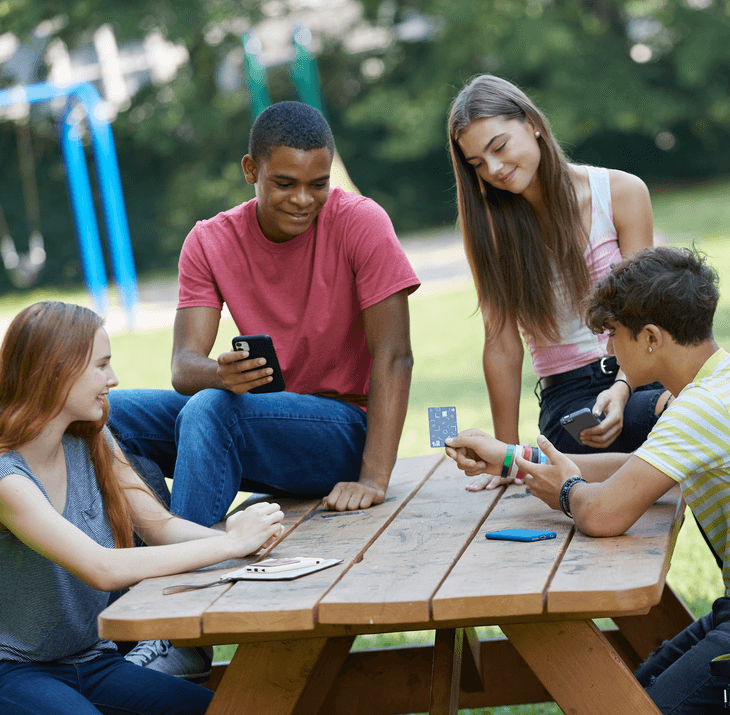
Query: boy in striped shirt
[[658, 307]]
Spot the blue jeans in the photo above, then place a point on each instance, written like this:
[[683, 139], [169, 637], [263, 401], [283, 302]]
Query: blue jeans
[[677, 676], [107, 684], [215, 443], [572, 395]]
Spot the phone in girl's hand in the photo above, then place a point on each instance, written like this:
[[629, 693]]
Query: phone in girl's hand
[[576, 422]]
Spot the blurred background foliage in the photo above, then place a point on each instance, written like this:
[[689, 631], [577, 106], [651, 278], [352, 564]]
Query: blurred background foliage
[[639, 85]]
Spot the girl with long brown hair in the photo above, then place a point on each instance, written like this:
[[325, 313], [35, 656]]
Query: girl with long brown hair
[[539, 232], [69, 506]]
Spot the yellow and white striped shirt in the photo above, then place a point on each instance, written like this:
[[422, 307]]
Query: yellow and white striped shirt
[[691, 444]]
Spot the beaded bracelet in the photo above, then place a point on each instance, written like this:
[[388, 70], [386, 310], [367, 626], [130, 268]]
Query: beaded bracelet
[[565, 494], [507, 460], [620, 379]]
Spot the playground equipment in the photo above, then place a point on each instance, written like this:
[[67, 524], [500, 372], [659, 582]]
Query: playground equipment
[[83, 101], [24, 268], [305, 77]]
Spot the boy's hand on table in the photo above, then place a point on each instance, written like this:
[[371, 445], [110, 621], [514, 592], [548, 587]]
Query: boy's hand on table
[[350, 496]]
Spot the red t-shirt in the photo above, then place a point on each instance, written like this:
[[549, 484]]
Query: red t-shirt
[[307, 293]]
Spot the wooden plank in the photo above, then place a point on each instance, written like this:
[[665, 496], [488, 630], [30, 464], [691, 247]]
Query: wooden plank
[[267, 677], [579, 668], [446, 672], [622, 573], [144, 613], [504, 578], [664, 621], [399, 573], [275, 606]]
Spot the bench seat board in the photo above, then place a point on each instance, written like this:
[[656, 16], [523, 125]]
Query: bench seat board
[[399, 574]]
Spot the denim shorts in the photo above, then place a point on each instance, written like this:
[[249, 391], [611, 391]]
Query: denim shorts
[[574, 394]]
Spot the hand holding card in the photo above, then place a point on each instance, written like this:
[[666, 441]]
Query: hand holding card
[[441, 425]]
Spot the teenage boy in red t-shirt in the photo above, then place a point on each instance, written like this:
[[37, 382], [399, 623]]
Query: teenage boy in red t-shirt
[[321, 272], [324, 275]]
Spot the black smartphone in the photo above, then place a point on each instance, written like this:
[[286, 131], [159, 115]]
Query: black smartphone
[[576, 422], [259, 346]]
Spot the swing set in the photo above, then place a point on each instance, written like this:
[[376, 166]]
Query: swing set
[[82, 102], [305, 78]]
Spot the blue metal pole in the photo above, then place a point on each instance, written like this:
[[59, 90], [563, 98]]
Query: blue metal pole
[[82, 207], [79, 188], [112, 199]]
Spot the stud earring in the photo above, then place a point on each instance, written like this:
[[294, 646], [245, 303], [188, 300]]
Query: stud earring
[[537, 134], [649, 349]]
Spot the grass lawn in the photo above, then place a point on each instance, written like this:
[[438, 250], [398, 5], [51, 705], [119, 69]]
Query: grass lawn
[[447, 344]]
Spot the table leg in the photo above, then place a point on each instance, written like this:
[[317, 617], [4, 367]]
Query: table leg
[[579, 668], [446, 673], [280, 677]]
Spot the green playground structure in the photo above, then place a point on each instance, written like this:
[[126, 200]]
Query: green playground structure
[[305, 78]]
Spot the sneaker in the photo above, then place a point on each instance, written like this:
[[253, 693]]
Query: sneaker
[[191, 664]]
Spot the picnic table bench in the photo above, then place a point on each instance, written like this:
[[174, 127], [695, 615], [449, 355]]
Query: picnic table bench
[[420, 561]]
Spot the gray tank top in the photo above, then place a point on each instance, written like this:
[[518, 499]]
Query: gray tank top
[[46, 613]]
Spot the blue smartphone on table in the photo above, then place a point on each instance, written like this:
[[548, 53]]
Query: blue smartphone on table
[[520, 535]]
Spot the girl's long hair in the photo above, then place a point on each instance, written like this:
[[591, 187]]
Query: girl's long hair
[[47, 346], [509, 251]]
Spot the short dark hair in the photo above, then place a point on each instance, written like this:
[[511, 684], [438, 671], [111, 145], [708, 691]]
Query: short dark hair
[[673, 288], [291, 124]]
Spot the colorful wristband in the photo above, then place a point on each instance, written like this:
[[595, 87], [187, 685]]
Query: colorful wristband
[[526, 454], [514, 468], [507, 460]]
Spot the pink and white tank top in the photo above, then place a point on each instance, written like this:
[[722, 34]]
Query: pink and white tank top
[[579, 346]]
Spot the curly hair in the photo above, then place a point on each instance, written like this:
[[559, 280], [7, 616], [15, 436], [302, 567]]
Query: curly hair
[[672, 288]]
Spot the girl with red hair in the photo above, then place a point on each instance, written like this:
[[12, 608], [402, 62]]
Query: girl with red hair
[[69, 506]]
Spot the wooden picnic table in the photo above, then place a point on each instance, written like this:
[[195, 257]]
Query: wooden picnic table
[[420, 561]]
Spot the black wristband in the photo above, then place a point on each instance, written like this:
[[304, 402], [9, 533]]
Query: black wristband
[[565, 494], [620, 379]]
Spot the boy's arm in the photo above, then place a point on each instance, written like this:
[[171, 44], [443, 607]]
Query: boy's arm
[[606, 508], [192, 370], [387, 333], [476, 452]]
